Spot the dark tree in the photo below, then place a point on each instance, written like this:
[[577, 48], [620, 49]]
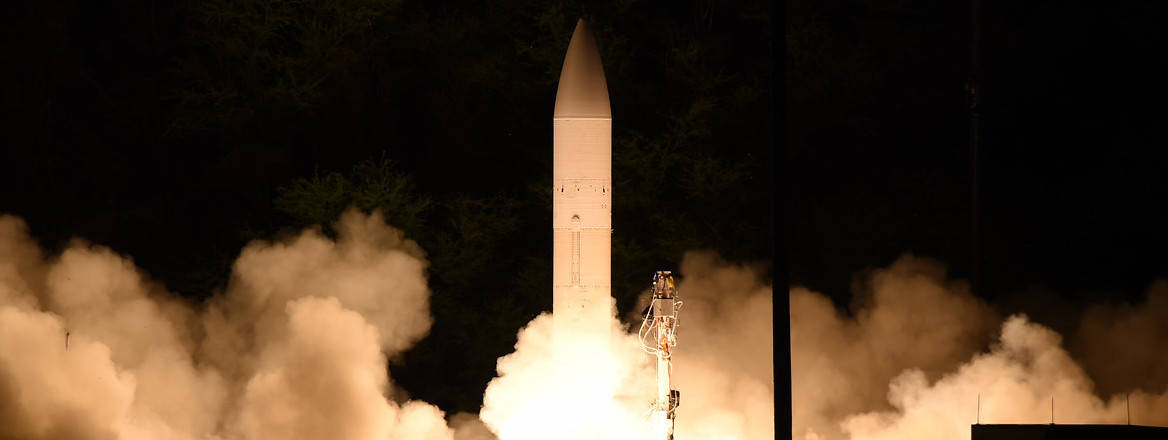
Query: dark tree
[[175, 132]]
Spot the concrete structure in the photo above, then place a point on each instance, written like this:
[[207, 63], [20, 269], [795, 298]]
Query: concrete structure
[[582, 193], [1067, 432]]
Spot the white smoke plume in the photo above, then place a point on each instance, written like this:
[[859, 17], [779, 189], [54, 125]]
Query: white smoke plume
[[469, 427], [1123, 345], [547, 386], [724, 361], [913, 357], [296, 346], [723, 367]]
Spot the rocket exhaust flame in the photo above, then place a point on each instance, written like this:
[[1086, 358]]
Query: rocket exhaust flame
[[548, 386]]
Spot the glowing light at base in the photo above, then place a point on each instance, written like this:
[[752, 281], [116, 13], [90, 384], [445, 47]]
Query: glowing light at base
[[553, 386], [550, 388]]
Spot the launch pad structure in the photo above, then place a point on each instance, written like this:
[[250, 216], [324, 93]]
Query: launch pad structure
[[658, 335], [1067, 432]]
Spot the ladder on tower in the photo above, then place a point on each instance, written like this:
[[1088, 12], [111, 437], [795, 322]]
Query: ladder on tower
[[658, 336]]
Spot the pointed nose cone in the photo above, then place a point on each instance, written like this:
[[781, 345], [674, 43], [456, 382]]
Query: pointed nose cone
[[583, 93]]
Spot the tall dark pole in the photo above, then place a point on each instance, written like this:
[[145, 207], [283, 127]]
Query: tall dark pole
[[782, 306], [972, 86]]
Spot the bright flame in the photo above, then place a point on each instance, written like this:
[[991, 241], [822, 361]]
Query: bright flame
[[723, 367]]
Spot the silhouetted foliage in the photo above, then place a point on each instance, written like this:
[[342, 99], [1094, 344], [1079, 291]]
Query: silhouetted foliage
[[253, 57], [371, 185], [177, 132]]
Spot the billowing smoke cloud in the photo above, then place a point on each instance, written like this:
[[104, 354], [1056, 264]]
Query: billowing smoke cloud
[[48, 393], [1123, 346], [470, 427], [294, 348], [913, 358], [724, 361], [555, 385], [328, 368], [723, 367], [842, 365]]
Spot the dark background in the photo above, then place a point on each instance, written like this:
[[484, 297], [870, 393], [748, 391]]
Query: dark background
[[1072, 172], [176, 132]]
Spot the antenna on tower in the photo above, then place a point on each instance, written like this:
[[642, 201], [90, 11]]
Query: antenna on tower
[[978, 409], [1052, 409], [1127, 402]]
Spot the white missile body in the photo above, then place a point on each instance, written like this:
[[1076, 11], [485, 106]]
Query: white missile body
[[582, 194]]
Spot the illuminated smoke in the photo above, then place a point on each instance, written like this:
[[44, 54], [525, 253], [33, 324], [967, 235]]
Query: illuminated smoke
[[842, 365], [1123, 346], [724, 363], [550, 385], [911, 360], [128, 360], [327, 384], [470, 427], [723, 366], [296, 344]]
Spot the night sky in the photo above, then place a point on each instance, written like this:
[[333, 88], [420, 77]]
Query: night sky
[[1072, 172], [176, 132]]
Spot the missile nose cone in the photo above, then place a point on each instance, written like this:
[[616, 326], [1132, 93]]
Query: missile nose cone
[[583, 92]]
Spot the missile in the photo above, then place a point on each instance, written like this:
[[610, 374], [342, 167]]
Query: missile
[[582, 193]]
